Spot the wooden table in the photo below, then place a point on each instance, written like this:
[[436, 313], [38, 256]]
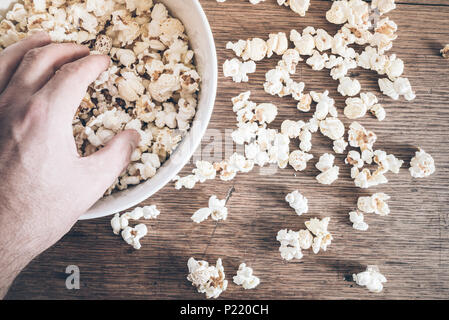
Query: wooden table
[[411, 245]]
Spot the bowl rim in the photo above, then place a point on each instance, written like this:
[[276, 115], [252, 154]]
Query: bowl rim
[[94, 213]]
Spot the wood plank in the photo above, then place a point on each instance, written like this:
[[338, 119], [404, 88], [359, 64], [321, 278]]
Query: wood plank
[[411, 246]]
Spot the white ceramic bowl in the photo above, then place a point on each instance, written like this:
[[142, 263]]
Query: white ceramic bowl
[[201, 40]]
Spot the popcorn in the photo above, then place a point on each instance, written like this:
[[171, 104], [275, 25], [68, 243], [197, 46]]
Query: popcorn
[[298, 6], [118, 223], [365, 179], [298, 202], [290, 247], [238, 70], [277, 43], [348, 87], [304, 103], [292, 128], [445, 52], [187, 182], [378, 111], [305, 43], [340, 145], [375, 204], [400, 86], [204, 171], [306, 140], [329, 172], [290, 59], [279, 151], [371, 278], [357, 107], [357, 220], [132, 236], [332, 128], [317, 61], [384, 35], [338, 13], [252, 49], [245, 132], [207, 279], [354, 159], [341, 67], [245, 277], [359, 137], [216, 210], [325, 105], [305, 239], [323, 41], [383, 6], [386, 162], [266, 112], [298, 160], [422, 164], [322, 236]]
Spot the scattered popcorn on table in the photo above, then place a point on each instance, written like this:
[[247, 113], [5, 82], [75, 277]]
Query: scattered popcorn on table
[[207, 279], [132, 236], [290, 247], [298, 6], [305, 43], [238, 70], [252, 49], [357, 220], [357, 107], [329, 172], [322, 236], [375, 204], [332, 128], [277, 43], [298, 202], [245, 277], [422, 164], [216, 210], [298, 160], [372, 279], [384, 6], [400, 86], [348, 87], [340, 145]]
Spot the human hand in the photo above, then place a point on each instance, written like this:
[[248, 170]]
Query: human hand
[[45, 185]]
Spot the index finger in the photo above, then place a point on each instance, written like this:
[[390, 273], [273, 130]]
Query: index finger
[[68, 86]]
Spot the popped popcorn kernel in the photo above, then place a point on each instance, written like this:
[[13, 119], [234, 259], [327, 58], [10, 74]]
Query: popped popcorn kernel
[[422, 164], [207, 279], [245, 277], [377, 203], [357, 220], [298, 202], [216, 210], [372, 279], [298, 160], [329, 172], [298, 6]]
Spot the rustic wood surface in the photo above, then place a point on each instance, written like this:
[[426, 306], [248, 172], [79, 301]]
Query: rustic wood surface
[[411, 245]]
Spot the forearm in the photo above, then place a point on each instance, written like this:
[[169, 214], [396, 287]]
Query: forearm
[[12, 261]]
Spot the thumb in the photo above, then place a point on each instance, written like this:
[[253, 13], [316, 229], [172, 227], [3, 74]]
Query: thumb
[[105, 165]]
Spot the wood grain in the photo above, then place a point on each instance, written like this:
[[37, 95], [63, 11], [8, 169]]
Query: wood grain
[[411, 246]]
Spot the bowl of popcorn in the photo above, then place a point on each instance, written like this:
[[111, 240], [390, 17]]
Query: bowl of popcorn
[[162, 81]]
